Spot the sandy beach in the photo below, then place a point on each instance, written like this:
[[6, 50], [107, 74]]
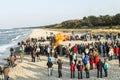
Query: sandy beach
[[38, 70]]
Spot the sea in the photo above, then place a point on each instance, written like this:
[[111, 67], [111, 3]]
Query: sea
[[10, 38]]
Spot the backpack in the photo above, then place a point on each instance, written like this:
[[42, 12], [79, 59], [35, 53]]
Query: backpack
[[106, 66], [81, 67]]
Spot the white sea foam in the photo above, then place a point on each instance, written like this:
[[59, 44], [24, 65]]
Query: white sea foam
[[4, 47], [16, 38]]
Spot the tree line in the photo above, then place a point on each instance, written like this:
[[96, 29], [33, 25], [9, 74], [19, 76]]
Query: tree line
[[90, 22]]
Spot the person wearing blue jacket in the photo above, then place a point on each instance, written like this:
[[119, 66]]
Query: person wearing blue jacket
[[86, 59]]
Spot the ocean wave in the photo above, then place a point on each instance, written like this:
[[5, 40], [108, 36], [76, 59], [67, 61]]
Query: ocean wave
[[6, 32], [16, 38], [4, 47]]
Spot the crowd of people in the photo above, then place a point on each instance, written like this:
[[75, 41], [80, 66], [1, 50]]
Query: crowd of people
[[83, 56]]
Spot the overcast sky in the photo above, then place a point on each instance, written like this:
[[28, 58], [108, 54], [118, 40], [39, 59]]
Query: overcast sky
[[29, 13]]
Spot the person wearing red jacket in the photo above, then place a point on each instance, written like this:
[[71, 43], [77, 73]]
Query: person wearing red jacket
[[91, 61], [116, 50], [72, 68], [75, 48], [96, 60]]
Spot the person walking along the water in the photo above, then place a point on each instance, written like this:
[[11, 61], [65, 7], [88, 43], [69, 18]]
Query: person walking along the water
[[80, 68], [59, 68]]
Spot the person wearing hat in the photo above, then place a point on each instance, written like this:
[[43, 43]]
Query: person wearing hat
[[49, 64]]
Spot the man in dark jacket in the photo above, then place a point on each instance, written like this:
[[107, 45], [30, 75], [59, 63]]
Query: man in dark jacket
[[99, 68], [49, 64], [59, 68]]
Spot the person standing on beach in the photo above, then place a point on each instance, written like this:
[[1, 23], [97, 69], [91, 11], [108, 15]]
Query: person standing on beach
[[75, 58], [0, 72], [72, 68], [71, 57], [80, 68], [105, 67], [33, 55], [38, 54], [11, 58], [56, 56], [21, 53], [111, 53], [59, 68], [5, 72], [49, 64], [87, 69], [91, 61], [116, 50], [99, 69], [119, 56]]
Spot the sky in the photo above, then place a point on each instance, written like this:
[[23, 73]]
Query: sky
[[30, 13]]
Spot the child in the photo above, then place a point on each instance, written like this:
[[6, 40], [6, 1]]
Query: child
[[87, 69], [72, 68], [105, 67], [80, 68]]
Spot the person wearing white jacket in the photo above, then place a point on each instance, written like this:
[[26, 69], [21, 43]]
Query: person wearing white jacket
[[111, 53], [75, 58]]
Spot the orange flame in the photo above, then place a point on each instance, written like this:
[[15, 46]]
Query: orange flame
[[59, 37]]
